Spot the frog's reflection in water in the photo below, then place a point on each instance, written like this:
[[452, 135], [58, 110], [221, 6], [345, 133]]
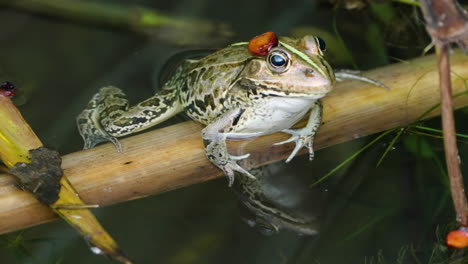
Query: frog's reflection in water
[[278, 199]]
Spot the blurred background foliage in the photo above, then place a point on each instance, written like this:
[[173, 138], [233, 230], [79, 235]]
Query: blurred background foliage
[[395, 213]]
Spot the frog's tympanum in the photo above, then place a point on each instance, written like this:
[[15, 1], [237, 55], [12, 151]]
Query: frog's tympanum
[[237, 92]]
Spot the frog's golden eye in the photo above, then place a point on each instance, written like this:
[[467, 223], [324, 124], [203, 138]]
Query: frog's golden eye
[[278, 61]]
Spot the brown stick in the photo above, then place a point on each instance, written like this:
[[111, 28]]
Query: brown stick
[[173, 157], [447, 23], [450, 140]]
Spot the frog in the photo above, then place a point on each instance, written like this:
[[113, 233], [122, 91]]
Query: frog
[[235, 93]]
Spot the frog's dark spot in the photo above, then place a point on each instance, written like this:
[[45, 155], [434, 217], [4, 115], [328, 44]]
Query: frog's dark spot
[[184, 88], [151, 102], [237, 118], [253, 91], [207, 74], [194, 108], [216, 91], [187, 96], [128, 162], [204, 75], [139, 120], [201, 105], [191, 78], [209, 100]]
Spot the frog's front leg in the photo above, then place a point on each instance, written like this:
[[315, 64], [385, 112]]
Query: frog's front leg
[[214, 138], [304, 137]]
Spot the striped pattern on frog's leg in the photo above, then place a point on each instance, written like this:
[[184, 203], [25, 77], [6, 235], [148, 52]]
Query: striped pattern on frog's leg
[[118, 120], [108, 115]]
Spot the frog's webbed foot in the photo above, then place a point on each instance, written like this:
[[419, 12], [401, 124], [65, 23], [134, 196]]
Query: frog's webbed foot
[[341, 75], [216, 149], [89, 120], [304, 137]]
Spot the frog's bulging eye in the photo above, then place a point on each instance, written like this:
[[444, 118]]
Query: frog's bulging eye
[[278, 61], [322, 44]]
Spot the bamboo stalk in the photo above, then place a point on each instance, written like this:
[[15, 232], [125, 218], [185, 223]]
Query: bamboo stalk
[[173, 157]]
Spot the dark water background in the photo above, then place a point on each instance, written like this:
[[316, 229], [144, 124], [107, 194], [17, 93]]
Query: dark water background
[[372, 214]]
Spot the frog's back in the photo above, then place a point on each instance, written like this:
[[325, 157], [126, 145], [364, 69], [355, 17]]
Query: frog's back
[[205, 92]]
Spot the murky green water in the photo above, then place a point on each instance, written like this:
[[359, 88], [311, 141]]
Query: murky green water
[[370, 213]]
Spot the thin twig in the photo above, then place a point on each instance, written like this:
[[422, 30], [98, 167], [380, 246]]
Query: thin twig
[[450, 141], [447, 23]]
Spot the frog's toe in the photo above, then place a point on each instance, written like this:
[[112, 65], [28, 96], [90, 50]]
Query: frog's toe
[[92, 131], [93, 135], [293, 138], [296, 149], [231, 167], [239, 157], [92, 140], [301, 139]]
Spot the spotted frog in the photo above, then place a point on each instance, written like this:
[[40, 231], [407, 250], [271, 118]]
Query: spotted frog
[[234, 93]]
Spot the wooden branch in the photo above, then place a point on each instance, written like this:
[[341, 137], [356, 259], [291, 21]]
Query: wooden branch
[[173, 157]]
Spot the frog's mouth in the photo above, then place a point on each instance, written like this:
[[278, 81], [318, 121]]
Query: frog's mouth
[[265, 90]]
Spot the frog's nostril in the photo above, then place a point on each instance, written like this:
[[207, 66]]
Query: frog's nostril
[[309, 73]]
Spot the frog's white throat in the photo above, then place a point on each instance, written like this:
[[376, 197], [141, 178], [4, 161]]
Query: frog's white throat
[[272, 114]]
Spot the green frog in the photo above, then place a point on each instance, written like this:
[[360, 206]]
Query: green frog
[[237, 94], [234, 93]]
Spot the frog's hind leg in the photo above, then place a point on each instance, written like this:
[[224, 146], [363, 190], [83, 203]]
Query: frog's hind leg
[[88, 121], [109, 116]]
